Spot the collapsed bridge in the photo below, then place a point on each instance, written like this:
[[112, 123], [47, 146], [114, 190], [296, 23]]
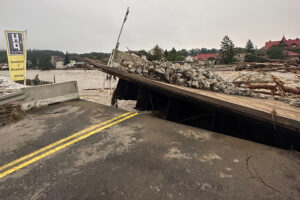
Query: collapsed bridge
[[261, 120]]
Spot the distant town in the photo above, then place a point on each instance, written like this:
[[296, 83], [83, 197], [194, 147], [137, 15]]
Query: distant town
[[283, 49]]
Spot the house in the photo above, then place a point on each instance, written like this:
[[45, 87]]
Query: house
[[295, 44], [292, 55], [189, 59], [58, 62], [240, 57], [207, 56], [207, 59]]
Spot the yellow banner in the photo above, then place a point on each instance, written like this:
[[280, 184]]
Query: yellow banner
[[16, 54]]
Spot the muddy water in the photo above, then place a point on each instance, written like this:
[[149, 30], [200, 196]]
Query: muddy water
[[92, 84], [86, 79]]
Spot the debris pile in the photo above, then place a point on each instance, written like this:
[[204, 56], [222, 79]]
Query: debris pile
[[7, 86], [10, 113], [186, 75], [285, 89], [267, 67], [189, 75]]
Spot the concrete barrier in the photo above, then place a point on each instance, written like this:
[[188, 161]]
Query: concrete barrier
[[43, 95], [13, 97]]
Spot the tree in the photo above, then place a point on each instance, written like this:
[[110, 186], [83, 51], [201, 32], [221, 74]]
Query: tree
[[183, 52], [3, 56], [249, 47], [45, 63], [255, 58], [34, 62], [67, 59], [173, 55], [227, 50], [156, 54], [275, 52]]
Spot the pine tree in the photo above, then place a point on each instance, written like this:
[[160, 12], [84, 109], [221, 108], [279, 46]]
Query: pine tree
[[227, 50], [156, 54], [249, 47]]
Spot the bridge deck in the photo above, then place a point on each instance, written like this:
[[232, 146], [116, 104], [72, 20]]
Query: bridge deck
[[261, 109]]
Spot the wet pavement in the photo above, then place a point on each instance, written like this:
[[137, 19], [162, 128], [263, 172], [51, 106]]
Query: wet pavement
[[141, 157]]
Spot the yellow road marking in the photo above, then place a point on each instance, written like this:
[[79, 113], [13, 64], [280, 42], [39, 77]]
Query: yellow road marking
[[60, 141], [63, 146]]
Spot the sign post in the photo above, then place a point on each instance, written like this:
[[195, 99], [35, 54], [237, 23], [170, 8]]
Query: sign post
[[16, 54]]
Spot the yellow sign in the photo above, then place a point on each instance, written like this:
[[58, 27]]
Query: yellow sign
[[16, 54]]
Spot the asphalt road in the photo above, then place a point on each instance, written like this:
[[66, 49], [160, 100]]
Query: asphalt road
[[135, 157]]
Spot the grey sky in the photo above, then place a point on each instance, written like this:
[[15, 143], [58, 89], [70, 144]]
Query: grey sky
[[93, 25]]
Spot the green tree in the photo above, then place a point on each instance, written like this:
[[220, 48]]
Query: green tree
[[249, 47], [156, 54], [34, 62], [275, 52], [183, 52], [67, 59], [227, 50], [239, 50], [173, 55], [255, 58], [260, 52], [44, 63], [3, 56]]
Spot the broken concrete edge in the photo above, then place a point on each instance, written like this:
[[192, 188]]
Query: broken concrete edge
[[44, 95], [13, 97], [45, 102]]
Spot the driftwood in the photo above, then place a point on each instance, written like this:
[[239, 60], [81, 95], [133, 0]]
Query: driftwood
[[265, 67], [260, 86], [279, 86], [287, 89]]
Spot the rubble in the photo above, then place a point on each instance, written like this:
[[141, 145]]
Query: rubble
[[7, 86], [10, 113], [194, 76], [186, 75], [267, 67]]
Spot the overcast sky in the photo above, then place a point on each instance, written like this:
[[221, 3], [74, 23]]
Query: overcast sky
[[93, 25]]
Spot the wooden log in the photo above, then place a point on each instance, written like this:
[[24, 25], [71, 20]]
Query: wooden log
[[287, 89], [261, 86], [279, 86]]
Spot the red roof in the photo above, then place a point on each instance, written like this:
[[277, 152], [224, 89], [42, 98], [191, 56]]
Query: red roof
[[270, 43], [290, 43], [206, 56], [291, 53]]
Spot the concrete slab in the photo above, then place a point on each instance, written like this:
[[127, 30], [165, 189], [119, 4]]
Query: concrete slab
[[43, 95], [141, 158]]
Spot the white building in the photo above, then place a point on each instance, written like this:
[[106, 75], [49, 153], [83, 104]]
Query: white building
[[189, 59], [58, 62]]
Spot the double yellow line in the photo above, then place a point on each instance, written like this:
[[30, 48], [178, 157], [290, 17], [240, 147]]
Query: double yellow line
[[76, 137]]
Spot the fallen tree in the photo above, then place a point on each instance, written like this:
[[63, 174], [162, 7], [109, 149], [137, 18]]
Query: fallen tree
[[279, 86]]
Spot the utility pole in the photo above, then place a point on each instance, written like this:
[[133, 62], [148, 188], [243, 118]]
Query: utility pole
[[117, 44]]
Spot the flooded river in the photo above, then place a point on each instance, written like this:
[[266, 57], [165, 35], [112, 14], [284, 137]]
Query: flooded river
[[92, 84], [85, 79]]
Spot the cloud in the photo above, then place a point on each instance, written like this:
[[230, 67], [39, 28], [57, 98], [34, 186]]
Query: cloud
[[93, 25]]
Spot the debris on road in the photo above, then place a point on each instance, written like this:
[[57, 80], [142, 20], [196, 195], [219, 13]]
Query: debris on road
[[7, 86], [10, 113], [186, 75], [262, 85]]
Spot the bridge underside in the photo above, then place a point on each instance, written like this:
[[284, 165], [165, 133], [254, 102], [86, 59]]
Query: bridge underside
[[200, 114]]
